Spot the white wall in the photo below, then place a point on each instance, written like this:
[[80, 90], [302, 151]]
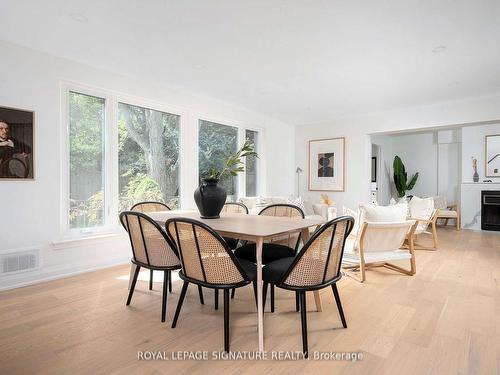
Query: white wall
[[356, 130], [473, 146], [419, 154], [434, 154], [384, 176], [30, 213]]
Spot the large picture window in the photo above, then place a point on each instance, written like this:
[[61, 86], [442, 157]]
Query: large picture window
[[148, 156], [86, 160], [215, 143], [121, 150]]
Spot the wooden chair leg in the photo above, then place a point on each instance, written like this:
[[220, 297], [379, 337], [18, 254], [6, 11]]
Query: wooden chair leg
[[303, 316], [362, 271], [200, 292], [150, 279], [132, 287], [170, 281], [164, 297], [413, 266], [233, 291], [226, 319], [434, 236], [216, 296], [446, 222], [297, 301], [179, 304], [457, 221], [272, 297], [339, 305]]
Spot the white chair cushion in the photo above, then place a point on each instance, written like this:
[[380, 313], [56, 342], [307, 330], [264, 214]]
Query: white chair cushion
[[421, 208], [447, 214], [377, 214], [355, 214]]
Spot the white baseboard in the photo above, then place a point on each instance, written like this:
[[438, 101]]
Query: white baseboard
[[48, 275]]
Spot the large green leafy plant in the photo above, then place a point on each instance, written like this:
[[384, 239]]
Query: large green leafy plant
[[401, 177], [234, 163]]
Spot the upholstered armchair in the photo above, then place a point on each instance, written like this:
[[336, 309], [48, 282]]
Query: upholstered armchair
[[423, 212], [380, 245], [447, 211]]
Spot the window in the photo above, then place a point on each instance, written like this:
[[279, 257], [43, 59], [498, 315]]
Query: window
[[148, 156], [120, 151], [215, 143], [86, 160], [251, 166]]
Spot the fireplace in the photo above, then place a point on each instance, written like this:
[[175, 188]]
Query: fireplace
[[490, 210]]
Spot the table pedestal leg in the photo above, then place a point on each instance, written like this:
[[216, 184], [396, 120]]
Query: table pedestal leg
[[260, 310]]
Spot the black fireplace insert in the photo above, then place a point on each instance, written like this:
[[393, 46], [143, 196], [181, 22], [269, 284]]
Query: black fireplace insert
[[490, 210]]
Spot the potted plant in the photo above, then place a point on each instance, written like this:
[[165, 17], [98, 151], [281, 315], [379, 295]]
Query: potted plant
[[211, 197], [401, 177]]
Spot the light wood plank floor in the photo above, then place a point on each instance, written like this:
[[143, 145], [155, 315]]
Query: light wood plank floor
[[444, 320]]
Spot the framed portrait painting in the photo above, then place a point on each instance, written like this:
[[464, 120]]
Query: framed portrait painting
[[16, 144], [326, 164]]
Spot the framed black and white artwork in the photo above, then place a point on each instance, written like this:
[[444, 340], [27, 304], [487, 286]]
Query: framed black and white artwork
[[492, 151], [327, 164], [16, 144]]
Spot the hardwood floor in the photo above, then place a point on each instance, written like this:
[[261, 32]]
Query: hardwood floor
[[444, 320]]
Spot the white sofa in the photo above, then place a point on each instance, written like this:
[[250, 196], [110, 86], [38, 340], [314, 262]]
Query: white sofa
[[256, 204]]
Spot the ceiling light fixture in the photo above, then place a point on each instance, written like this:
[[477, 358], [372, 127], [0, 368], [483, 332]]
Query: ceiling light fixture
[[439, 49]]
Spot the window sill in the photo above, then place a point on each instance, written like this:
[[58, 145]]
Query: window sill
[[85, 240]]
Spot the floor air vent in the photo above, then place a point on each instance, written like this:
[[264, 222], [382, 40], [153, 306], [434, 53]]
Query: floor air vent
[[20, 261]]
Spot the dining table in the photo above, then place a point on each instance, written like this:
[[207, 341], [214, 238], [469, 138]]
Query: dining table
[[255, 228]]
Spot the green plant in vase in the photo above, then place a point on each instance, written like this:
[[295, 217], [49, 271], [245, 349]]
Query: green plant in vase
[[209, 196], [401, 178]]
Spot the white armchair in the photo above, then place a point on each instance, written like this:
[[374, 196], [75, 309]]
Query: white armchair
[[447, 211], [380, 244], [423, 212]]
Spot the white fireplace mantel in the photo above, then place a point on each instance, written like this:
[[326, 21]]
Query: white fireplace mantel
[[470, 205]]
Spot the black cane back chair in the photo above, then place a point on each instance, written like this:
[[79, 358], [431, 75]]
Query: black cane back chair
[[316, 266], [151, 249], [234, 208], [146, 207], [209, 262], [280, 247]]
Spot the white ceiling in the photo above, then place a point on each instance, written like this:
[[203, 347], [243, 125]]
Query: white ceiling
[[301, 61]]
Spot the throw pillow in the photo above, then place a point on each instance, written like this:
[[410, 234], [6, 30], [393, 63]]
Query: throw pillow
[[309, 210], [371, 213], [421, 208], [297, 202]]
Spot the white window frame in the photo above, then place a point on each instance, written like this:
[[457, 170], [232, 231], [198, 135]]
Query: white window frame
[[111, 188], [188, 155], [241, 127]]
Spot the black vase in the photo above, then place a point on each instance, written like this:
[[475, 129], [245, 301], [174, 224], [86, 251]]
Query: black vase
[[210, 198]]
